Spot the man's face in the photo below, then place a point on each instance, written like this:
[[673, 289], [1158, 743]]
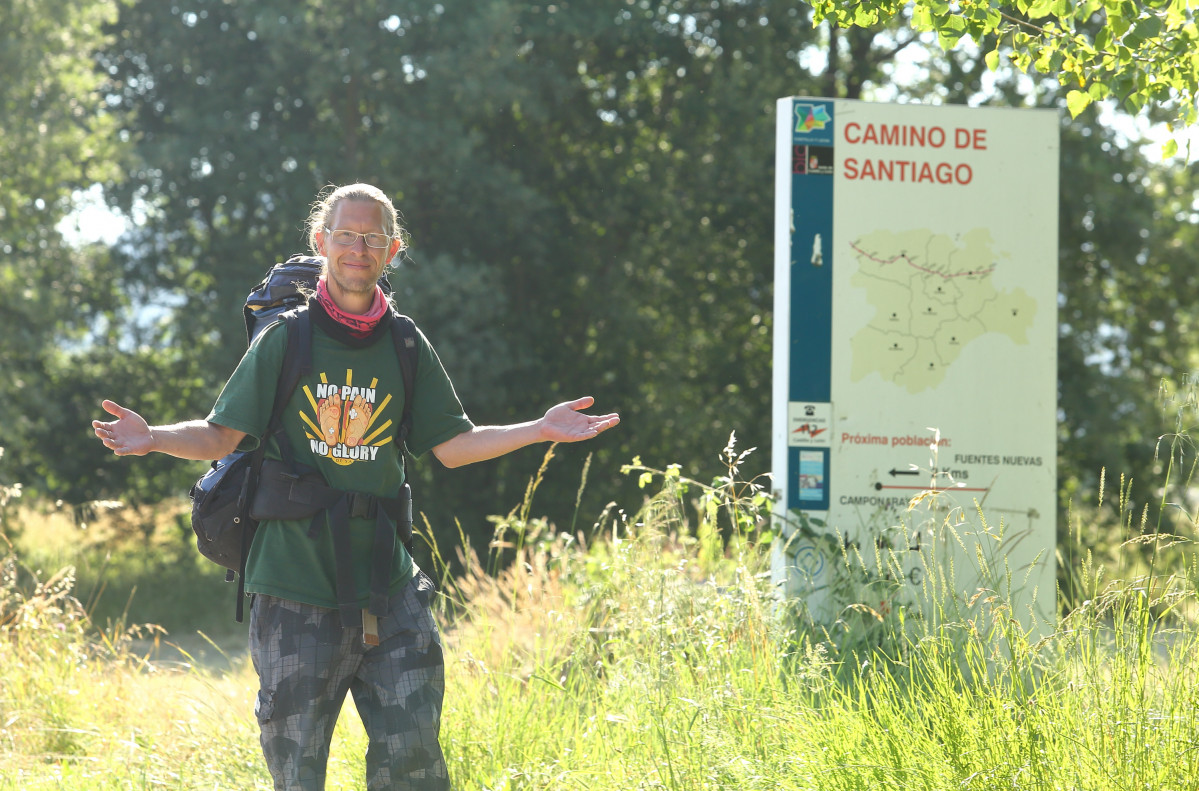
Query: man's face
[[355, 268]]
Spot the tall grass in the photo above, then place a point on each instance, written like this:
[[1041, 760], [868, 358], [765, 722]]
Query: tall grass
[[648, 650], [655, 664]]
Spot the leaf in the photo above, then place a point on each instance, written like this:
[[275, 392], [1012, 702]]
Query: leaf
[[1077, 101], [1176, 14], [865, 17], [1148, 27], [992, 60], [1044, 61], [1039, 9], [948, 40], [956, 24], [1117, 21]]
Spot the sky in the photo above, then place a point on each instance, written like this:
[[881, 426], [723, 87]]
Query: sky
[[92, 220]]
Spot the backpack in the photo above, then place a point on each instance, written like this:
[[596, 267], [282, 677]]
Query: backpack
[[221, 499]]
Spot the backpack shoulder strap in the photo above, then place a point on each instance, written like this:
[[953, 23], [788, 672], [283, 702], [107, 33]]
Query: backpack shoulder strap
[[297, 363], [297, 360], [403, 335]]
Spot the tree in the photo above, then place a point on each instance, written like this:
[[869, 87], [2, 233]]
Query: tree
[[1142, 54], [588, 188], [57, 136], [584, 184]]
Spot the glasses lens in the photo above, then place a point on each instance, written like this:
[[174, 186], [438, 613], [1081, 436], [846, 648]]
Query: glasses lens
[[347, 238]]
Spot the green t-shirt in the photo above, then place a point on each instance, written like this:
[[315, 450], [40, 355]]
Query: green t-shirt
[[341, 420]]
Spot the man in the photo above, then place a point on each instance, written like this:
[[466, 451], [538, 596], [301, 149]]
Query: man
[[308, 653]]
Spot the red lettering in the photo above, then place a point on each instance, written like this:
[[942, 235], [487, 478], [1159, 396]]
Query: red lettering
[[970, 138], [903, 135], [906, 170]]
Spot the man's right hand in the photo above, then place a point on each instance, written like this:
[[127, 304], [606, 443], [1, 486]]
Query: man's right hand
[[128, 435]]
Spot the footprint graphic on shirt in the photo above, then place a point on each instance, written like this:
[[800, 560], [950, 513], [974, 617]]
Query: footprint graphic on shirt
[[328, 414], [357, 420]]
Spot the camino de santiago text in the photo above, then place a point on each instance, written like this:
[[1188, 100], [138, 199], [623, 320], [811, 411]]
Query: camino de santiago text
[[915, 171]]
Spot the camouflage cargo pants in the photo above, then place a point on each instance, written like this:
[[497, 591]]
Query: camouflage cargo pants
[[306, 662]]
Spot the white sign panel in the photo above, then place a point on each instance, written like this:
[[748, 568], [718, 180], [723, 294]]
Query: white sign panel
[[915, 340]]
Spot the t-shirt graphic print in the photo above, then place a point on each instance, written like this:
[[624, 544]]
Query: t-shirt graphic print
[[346, 424]]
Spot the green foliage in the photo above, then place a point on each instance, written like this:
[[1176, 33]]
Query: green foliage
[[583, 183], [1144, 54], [589, 201], [730, 513], [84, 709], [622, 656], [9, 492], [57, 136], [41, 619]]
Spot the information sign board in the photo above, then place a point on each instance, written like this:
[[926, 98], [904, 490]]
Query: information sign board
[[915, 344]]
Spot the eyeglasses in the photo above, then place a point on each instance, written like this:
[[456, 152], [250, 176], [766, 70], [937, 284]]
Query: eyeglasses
[[345, 238]]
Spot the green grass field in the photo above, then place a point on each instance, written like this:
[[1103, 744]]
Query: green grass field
[[645, 652]]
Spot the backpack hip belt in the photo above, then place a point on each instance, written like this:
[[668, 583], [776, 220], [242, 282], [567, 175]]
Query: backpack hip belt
[[283, 494]]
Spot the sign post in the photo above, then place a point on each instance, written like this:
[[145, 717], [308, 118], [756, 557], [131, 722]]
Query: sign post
[[915, 346]]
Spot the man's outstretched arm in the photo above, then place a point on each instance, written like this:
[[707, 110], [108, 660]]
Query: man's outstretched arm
[[130, 435], [562, 423]]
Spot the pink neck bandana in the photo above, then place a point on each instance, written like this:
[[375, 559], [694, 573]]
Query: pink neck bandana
[[359, 325]]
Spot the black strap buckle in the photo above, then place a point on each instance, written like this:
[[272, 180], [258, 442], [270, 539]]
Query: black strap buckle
[[362, 506]]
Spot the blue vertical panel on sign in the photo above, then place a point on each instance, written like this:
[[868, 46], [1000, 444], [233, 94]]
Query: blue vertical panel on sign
[[811, 250], [811, 285]]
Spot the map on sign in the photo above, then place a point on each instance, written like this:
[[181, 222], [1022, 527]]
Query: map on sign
[[932, 295]]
